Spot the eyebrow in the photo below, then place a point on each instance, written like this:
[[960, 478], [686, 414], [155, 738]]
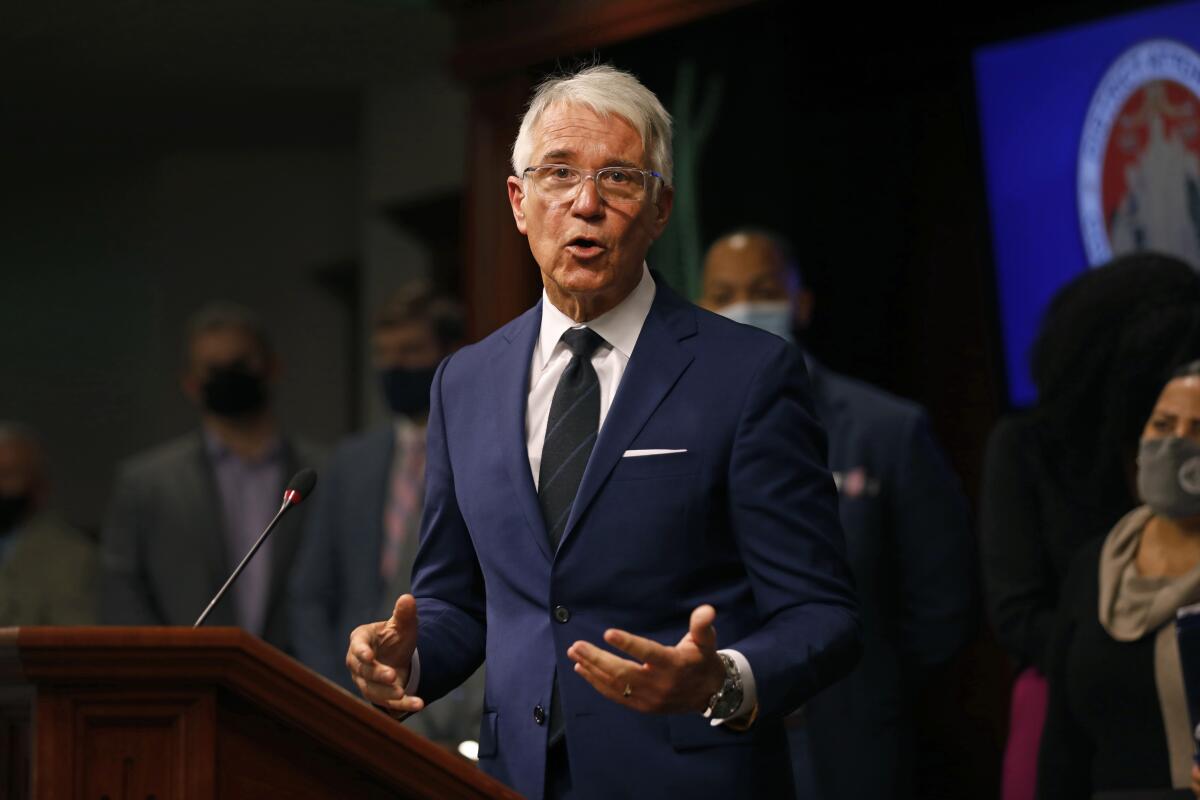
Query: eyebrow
[[556, 156]]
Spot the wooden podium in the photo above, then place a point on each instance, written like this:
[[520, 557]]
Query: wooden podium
[[181, 714]]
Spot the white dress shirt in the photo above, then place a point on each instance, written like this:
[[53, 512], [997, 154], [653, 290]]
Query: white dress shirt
[[620, 328]]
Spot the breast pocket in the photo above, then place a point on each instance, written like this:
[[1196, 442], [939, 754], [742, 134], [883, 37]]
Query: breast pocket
[[666, 465]]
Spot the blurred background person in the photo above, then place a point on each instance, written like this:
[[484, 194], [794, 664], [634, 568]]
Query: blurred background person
[[1061, 474], [366, 517], [907, 534], [49, 571], [1118, 715], [185, 513]]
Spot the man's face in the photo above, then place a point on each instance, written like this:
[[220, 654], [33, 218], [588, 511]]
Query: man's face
[[409, 345], [742, 269], [19, 472], [223, 347], [587, 247]]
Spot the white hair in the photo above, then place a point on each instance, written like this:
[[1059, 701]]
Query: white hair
[[607, 91]]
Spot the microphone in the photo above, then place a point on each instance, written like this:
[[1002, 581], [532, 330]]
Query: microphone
[[300, 487]]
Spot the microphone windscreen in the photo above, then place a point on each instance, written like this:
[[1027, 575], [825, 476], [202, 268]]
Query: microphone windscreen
[[302, 484]]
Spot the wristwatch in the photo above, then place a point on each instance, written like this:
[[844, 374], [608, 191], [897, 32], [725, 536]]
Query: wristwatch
[[728, 698]]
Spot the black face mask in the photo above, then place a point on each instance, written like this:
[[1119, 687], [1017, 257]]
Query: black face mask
[[234, 391], [407, 390], [14, 508]]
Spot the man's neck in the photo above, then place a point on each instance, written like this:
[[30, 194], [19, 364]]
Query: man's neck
[[248, 438], [586, 307]]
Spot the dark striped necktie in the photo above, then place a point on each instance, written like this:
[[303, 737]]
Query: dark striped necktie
[[570, 436], [570, 432]]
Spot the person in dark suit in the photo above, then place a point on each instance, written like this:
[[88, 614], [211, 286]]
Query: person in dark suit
[[361, 534], [627, 509], [184, 514], [907, 532]]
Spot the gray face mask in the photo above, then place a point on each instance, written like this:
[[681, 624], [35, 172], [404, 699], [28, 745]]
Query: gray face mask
[[1169, 476], [772, 316]]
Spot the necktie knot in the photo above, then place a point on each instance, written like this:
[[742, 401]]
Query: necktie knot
[[582, 341]]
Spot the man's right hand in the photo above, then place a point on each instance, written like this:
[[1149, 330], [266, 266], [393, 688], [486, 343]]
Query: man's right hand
[[380, 658]]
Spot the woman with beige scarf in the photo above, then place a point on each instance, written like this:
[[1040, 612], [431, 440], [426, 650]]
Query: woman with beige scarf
[[1117, 725]]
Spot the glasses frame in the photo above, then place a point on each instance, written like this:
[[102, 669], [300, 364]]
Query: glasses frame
[[585, 174]]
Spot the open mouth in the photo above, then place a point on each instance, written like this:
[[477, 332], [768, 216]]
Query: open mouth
[[583, 247]]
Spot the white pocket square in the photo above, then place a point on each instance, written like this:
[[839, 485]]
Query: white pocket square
[[638, 453]]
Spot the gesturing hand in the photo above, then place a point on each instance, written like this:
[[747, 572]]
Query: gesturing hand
[[380, 658], [663, 679]]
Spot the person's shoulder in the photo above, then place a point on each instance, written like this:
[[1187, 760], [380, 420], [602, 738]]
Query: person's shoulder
[[864, 401], [356, 447], [737, 344], [472, 358], [50, 534], [164, 458], [1014, 437]]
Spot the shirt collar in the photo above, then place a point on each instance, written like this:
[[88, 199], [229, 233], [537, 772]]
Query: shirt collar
[[218, 451], [620, 326]]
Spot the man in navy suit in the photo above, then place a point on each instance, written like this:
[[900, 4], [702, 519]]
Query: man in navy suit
[[908, 539], [360, 536], [628, 510]]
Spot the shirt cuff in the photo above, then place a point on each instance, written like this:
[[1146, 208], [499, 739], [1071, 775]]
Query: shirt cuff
[[749, 691], [414, 674]]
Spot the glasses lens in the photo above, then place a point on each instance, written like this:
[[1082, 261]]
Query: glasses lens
[[615, 183], [556, 182]]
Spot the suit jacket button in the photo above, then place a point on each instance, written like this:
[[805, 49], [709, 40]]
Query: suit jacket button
[[539, 715], [561, 614]]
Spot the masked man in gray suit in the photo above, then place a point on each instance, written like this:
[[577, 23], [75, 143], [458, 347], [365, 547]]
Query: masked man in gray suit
[[184, 513]]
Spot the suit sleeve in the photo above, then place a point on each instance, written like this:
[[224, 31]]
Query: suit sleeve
[[125, 597], [315, 598], [785, 519], [935, 550], [447, 580], [1018, 578]]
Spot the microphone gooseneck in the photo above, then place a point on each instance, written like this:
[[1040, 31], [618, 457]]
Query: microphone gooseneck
[[298, 488]]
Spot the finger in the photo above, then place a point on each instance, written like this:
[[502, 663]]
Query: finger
[[373, 671], [601, 659], [603, 683], [404, 613], [641, 648], [700, 627]]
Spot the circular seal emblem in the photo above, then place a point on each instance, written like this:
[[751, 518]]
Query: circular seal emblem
[[1138, 182], [1189, 475]]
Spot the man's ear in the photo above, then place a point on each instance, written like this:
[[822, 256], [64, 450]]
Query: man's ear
[[516, 198], [802, 308], [663, 205]]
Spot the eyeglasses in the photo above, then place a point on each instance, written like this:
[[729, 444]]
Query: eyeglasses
[[558, 182]]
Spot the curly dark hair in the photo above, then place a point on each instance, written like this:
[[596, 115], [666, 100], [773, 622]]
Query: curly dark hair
[[1109, 341]]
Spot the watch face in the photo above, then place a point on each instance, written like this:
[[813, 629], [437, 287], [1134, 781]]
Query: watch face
[[731, 698]]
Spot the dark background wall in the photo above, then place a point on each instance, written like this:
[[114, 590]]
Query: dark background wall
[[290, 155]]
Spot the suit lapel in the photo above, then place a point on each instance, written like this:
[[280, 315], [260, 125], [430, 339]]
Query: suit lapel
[[203, 494], [656, 364], [510, 376]]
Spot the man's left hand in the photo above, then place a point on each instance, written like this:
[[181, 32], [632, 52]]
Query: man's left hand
[[662, 679]]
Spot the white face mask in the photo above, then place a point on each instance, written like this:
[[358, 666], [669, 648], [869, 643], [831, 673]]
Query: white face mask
[[772, 316]]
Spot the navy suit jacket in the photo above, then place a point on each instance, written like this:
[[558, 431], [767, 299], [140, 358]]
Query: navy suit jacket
[[910, 548], [746, 519]]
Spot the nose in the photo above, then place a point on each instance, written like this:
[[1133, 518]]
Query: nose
[[587, 201]]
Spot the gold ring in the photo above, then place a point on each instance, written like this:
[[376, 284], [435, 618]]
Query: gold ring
[[628, 690]]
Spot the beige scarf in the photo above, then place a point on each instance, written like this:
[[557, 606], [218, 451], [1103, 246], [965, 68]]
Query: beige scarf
[[1132, 606]]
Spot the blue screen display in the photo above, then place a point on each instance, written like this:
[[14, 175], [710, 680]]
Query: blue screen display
[[1037, 98]]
